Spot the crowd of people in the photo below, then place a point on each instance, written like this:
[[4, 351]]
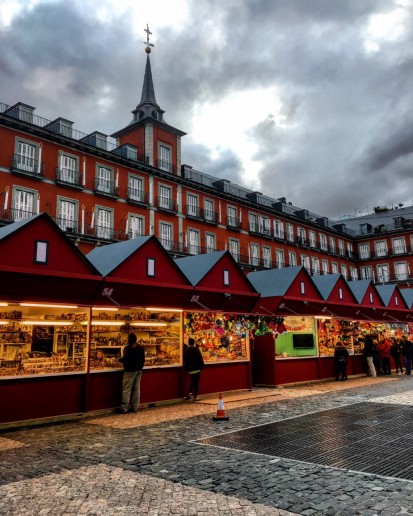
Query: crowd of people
[[378, 349]]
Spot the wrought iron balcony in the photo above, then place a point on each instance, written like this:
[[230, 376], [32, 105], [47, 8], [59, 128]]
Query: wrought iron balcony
[[162, 164], [69, 177], [259, 230], [166, 204], [13, 215], [193, 211], [104, 233], [105, 188], [27, 166], [137, 196], [234, 223]]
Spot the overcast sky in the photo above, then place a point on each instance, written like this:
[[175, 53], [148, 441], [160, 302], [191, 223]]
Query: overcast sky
[[311, 100]]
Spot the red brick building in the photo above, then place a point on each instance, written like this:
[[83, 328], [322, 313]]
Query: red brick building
[[102, 189]]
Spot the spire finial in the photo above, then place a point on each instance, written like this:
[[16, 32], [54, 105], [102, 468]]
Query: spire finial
[[147, 43]]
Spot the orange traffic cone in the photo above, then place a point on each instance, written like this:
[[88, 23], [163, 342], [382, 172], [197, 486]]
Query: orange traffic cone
[[220, 411]]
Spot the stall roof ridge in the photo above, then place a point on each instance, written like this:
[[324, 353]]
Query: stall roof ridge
[[107, 258], [274, 282], [196, 267]]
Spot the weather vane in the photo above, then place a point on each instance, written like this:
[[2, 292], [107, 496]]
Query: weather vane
[[147, 42]]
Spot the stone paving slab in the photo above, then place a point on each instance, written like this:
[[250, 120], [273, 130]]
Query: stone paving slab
[[8, 444], [105, 490]]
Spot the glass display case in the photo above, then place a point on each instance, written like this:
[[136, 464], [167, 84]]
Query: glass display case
[[221, 337], [42, 339], [158, 330]]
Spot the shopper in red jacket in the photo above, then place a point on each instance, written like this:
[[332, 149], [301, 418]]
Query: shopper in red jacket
[[385, 345]]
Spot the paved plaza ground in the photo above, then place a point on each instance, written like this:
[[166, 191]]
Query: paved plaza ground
[[317, 449]]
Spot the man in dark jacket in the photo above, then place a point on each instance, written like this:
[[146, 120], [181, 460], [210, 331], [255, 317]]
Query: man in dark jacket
[[193, 364], [407, 348], [369, 352], [133, 361], [340, 361]]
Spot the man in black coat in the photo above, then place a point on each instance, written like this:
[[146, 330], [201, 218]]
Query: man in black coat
[[133, 361], [193, 364]]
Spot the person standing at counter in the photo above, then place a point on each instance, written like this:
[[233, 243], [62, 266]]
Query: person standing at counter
[[406, 347], [395, 352], [193, 364], [385, 355], [340, 361], [133, 360], [369, 353]]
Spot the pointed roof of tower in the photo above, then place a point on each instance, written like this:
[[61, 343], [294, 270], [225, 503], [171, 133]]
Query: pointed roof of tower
[[148, 109]]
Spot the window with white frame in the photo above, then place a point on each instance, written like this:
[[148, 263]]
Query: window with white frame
[[380, 248], [279, 258], [192, 205], [366, 272], [344, 270], [323, 242], [324, 266], [165, 197], [210, 242], [401, 271], [265, 226], [69, 169], [23, 203], [341, 249], [383, 272], [332, 245], [193, 238], [315, 265], [136, 226], [290, 232], [353, 274], [334, 268], [165, 233], [399, 245], [164, 158], [209, 210], [266, 257], [364, 251], [252, 221], [234, 248], [136, 191], [278, 229], [349, 249], [311, 238], [254, 254], [292, 259], [104, 224], [305, 262], [104, 179], [232, 217], [26, 156], [301, 236], [67, 214]]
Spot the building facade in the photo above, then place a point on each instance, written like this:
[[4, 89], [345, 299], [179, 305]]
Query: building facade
[[102, 189]]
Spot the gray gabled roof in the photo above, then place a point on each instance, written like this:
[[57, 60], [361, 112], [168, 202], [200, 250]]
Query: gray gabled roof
[[273, 282], [385, 292], [196, 267], [325, 283], [359, 288], [11, 228], [108, 257], [407, 294]]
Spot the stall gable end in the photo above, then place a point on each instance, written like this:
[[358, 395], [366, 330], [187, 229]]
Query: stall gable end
[[392, 297], [39, 245], [225, 275], [341, 293], [303, 287], [372, 298]]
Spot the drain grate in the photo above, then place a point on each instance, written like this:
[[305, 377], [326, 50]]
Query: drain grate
[[366, 437]]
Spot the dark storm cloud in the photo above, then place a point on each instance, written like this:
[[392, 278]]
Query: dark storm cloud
[[342, 139]]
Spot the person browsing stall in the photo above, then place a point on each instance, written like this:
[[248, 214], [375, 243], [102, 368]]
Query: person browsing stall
[[193, 364], [133, 360]]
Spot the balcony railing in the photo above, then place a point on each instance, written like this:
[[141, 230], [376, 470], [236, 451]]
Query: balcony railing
[[167, 204], [27, 166], [233, 223], [13, 215], [137, 196], [209, 216], [193, 211], [69, 177], [162, 164], [104, 233], [256, 229], [105, 187]]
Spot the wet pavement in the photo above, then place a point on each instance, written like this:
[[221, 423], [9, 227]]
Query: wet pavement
[[321, 449]]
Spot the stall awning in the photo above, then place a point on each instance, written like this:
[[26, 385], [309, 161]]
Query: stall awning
[[218, 282]]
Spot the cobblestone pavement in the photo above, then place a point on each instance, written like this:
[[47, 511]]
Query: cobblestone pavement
[[154, 462]]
